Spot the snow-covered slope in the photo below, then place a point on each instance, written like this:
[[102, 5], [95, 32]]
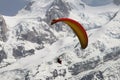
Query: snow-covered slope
[[32, 46]]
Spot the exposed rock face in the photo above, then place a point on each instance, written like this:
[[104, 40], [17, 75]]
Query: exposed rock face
[[28, 7], [84, 66], [112, 55], [61, 72], [3, 37], [58, 9], [98, 75], [39, 33], [21, 52], [3, 55], [3, 29], [57, 73]]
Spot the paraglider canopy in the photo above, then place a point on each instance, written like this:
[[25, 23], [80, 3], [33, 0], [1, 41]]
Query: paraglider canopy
[[77, 28]]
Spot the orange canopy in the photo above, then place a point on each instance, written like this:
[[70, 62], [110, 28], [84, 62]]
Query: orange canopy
[[77, 28]]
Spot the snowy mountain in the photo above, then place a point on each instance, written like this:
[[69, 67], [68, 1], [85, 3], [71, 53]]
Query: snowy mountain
[[29, 45]]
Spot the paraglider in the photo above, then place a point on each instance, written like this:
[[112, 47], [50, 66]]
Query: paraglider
[[59, 61], [77, 28]]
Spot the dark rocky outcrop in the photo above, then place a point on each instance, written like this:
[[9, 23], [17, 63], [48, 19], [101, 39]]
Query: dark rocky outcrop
[[3, 29], [20, 52], [28, 7], [112, 54], [98, 75], [3, 55], [83, 66], [58, 9], [57, 73], [35, 35]]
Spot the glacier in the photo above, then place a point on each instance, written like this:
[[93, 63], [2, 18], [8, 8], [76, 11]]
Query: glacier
[[29, 45]]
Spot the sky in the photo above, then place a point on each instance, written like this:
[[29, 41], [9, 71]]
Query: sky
[[11, 7]]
